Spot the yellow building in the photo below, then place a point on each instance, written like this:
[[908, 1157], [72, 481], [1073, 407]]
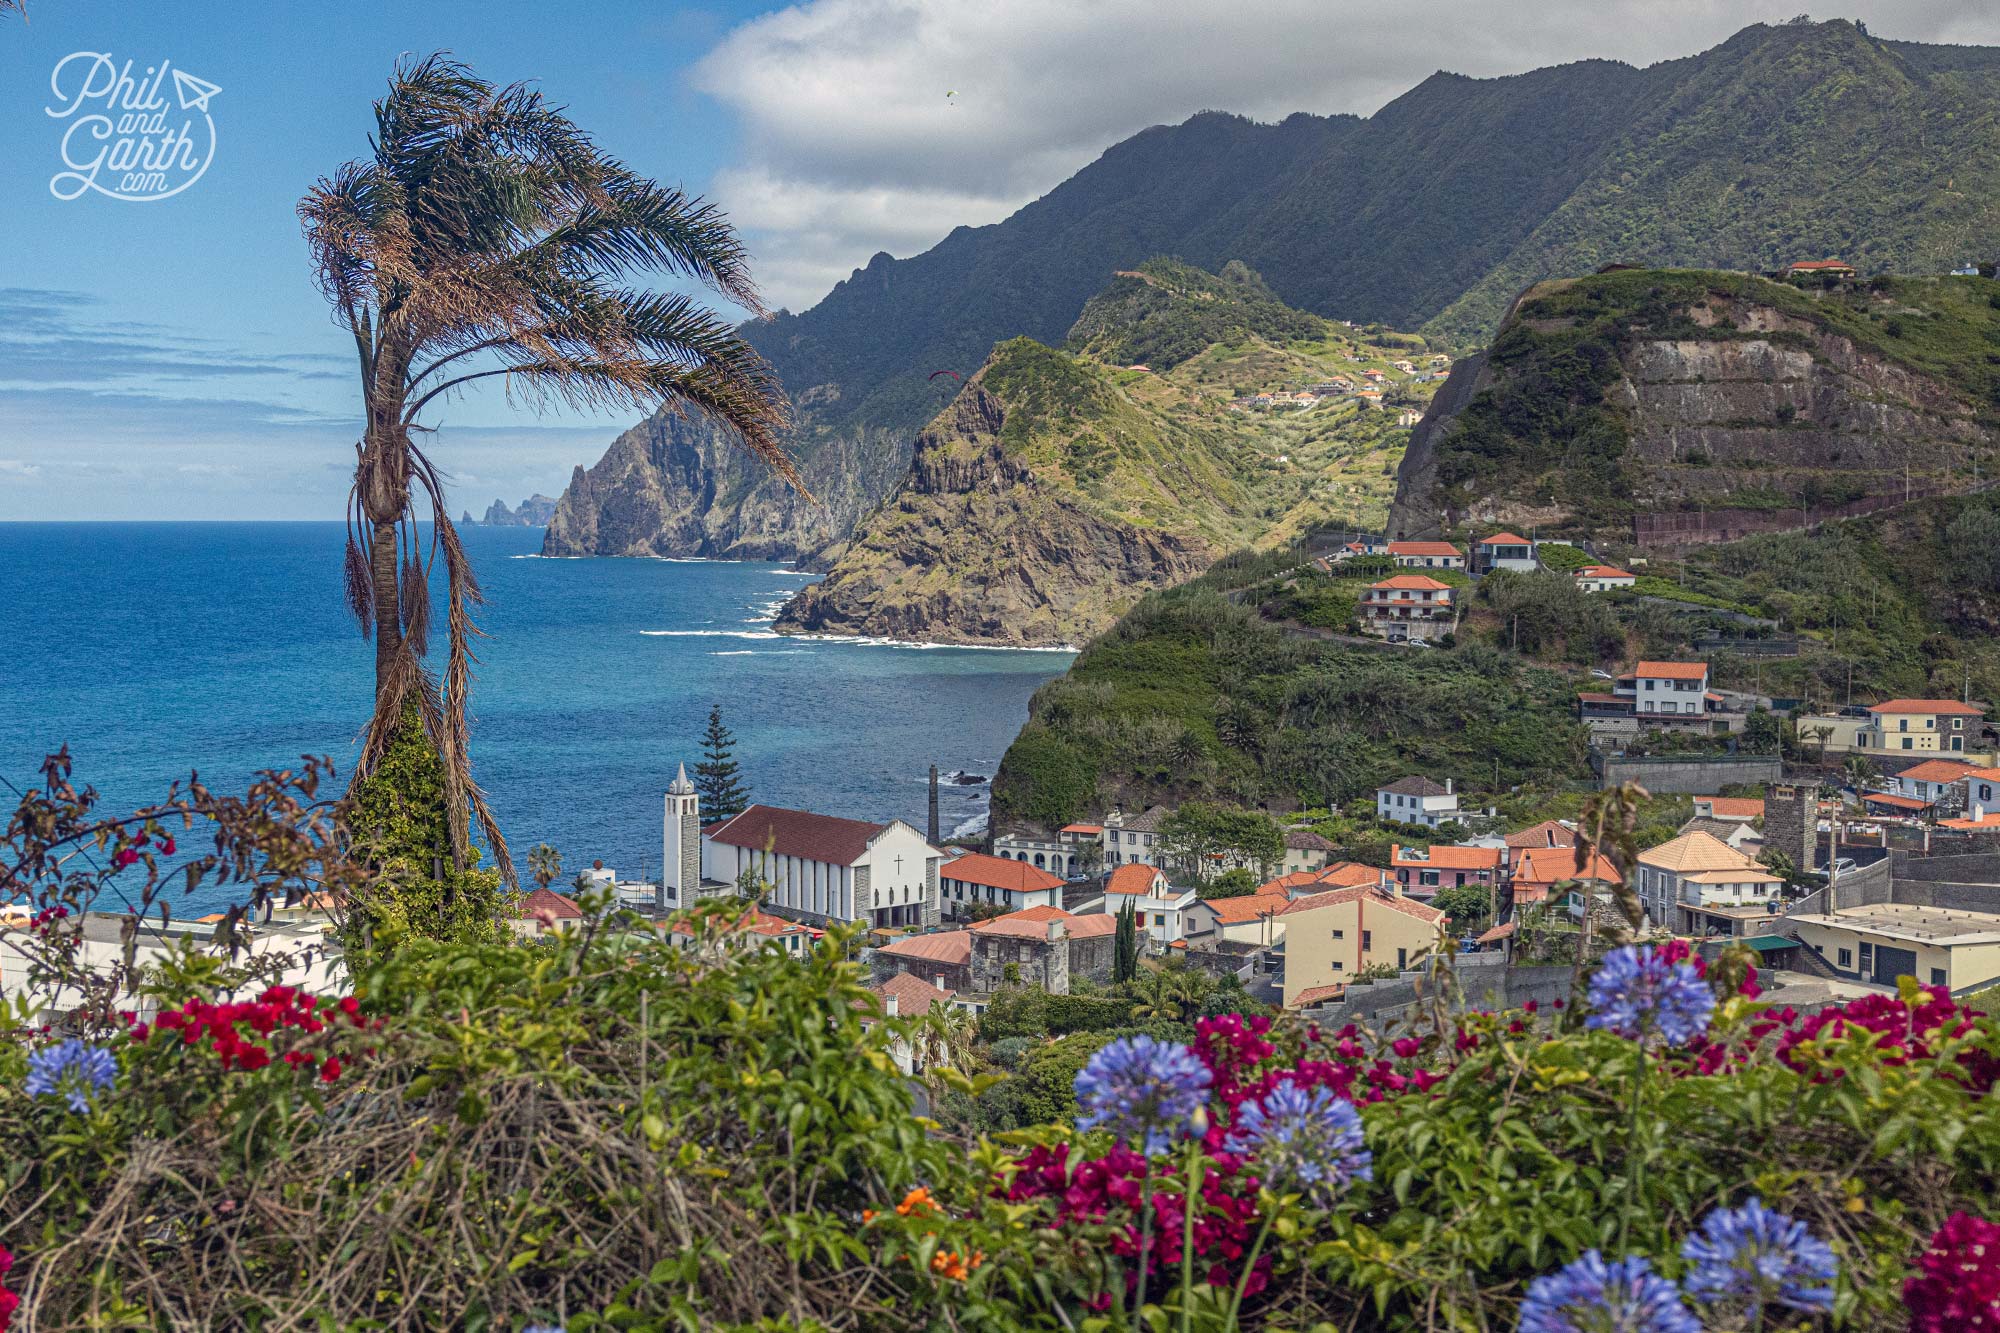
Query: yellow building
[[1883, 941], [1329, 937], [1918, 726]]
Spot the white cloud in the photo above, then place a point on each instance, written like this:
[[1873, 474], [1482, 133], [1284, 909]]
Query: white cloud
[[852, 146]]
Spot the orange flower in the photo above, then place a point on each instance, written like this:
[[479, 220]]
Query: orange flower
[[917, 1201], [867, 1216], [946, 1263]]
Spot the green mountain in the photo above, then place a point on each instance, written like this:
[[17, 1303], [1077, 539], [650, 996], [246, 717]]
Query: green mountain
[[1062, 483], [1636, 402], [1799, 140]]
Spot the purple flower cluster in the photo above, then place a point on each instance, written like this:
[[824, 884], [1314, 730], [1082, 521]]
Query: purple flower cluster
[[1595, 1296], [1303, 1136], [1154, 1092], [74, 1070], [1640, 993], [1752, 1258]]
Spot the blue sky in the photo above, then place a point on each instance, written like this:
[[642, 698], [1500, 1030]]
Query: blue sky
[[172, 359]]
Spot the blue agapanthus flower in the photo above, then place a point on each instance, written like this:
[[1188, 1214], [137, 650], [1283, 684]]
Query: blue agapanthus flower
[[75, 1070], [1146, 1090], [1593, 1296], [1755, 1258], [1637, 993], [1303, 1136]]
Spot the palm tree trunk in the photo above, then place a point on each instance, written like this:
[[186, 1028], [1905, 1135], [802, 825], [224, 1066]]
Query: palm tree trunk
[[382, 572]]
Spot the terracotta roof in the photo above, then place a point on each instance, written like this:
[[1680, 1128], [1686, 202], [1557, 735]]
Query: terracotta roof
[[1548, 833], [548, 901], [1940, 770], [1314, 994], [1292, 880], [1033, 924], [1423, 548], [1411, 583], [1733, 807], [1504, 539], [1549, 865], [1720, 829], [1083, 828], [1246, 907], [1605, 572], [1370, 894], [1413, 787], [1499, 932], [1894, 802], [1671, 670], [1694, 852], [1598, 697], [945, 946], [999, 872], [913, 995], [1813, 265], [1445, 857], [1990, 820], [763, 923], [1149, 822], [799, 833], [1305, 840], [1945, 706], [1346, 874], [1134, 877]]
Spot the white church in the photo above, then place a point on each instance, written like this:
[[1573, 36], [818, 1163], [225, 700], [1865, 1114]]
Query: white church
[[821, 869]]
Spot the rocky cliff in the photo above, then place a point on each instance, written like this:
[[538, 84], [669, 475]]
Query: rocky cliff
[[1610, 401], [534, 512]]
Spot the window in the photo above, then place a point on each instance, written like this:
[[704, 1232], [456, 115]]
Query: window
[[1402, 959], [1937, 976], [1908, 743], [1159, 918], [1427, 877], [1340, 934], [1367, 940], [1847, 958], [1339, 966]]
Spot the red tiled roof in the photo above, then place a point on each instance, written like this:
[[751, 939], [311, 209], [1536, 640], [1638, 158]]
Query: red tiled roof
[[1941, 770], [953, 947], [1504, 539], [1347, 874], [1894, 802], [1033, 924], [1135, 877], [1305, 840], [1499, 932], [1548, 865], [1671, 670], [1814, 265], [1593, 697], [999, 872], [1314, 994], [1604, 572], [1548, 833], [1083, 828], [1246, 907], [1411, 583], [1291, 880], [1373, 896], [913, 994], [799, 833], [1446, 857], [1950, 707], [548, 901], [1735, 807], [1423, 548], [1989, 821]]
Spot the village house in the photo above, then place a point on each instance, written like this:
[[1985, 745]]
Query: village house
[[1667, 690], [1306, 850], [1397, 606], [1406, 367], [1550, 833], [1417, 800], [1736, 834], [1879, 942], [821, 868], [1740, 808], [752, 929], [1135, 839], [1422, 871], [1408, 417], [1043, 947], [1921, 725], [1504, 550], [904, 996], [1982, 794], [1249, 919], [941, 957], [977, 880], [1696, 885], [1819, 268], [1332, 936], [1427, 555], [1604, 578], [1936, 781], [1537, 870], [544, 911], [1157, 907]]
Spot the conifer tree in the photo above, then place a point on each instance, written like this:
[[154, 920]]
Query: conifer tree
[[1125, 954], [717, 778]]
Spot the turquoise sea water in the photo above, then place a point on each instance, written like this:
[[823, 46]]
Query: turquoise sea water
[[151, 649]]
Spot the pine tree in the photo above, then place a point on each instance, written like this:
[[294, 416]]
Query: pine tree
[[716, 778], [1125, 954]]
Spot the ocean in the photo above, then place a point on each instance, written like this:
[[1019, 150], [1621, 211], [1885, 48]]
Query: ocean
[[156, 648]]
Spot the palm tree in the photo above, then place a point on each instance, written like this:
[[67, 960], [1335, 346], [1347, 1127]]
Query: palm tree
[[1858, 771], [486, 236], [544, 864]]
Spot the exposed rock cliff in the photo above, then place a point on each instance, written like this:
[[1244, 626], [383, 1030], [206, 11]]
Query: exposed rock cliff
[[533, 513], [977, 546], [1647, 402]]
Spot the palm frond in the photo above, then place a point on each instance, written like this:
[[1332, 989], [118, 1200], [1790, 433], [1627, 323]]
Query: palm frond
[[360, 588], [415, 605]]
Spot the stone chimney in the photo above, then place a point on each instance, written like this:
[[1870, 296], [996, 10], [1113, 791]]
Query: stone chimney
[[890, 1006], [1447, 786], [933, 829], [1056, 931]]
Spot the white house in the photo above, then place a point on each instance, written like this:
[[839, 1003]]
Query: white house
[[820, 868], [1397, 605], [1603, 578], [1133, 840], [1982, 793], [1504, 550], [1427, 555], [977, 880], [1680, 878], [1417, 801], [1159, 908], [1934, 779], [1667, 689]]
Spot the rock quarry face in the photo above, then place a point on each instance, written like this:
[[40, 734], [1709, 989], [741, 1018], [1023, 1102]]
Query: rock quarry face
[[1704, 421], [676, 485], [974, 548]]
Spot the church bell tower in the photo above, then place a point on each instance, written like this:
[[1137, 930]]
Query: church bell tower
[[680, 850]]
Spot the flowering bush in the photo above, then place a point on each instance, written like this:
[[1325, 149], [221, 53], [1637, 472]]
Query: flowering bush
[[1957, 1285]]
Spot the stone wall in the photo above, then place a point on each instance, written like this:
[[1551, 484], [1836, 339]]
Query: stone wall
[[1693, 775], [1487, 981], [1791, 821]]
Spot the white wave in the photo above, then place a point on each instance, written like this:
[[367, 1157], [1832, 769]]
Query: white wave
[[760, 652], [859, 641], [711, 634], [971, 827]]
